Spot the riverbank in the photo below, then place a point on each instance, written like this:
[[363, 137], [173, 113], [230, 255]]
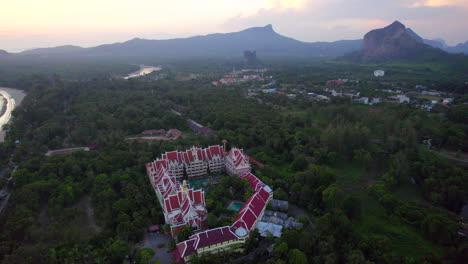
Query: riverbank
[[3, 102], [144, 70], [12, 98]]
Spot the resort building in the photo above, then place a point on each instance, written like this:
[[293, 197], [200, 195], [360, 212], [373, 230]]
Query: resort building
[[185, 206], [230, 238], [237, 162], [181, 205], [195, 162]]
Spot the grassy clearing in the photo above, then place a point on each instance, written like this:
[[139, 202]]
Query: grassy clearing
[[428, 97], [403, 239], [409, 192]]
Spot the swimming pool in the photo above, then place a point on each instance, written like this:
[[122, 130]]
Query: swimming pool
[[197, 184], [235, 206]]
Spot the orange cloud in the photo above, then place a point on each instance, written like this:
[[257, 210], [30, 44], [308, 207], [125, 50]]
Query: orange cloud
[[439, 3]]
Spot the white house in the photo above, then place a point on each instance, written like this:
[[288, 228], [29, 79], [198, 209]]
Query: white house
[[379, 73]]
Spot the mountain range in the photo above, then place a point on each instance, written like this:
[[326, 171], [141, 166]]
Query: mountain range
[[264, 40]]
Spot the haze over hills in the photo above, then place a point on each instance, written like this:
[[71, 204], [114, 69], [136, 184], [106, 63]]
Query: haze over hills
[[264, 40], [54, 50]]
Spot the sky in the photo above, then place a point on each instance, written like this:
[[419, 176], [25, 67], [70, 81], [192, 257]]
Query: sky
[[26, 24]]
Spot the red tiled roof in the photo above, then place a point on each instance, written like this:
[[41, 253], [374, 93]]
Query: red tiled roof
[[212, 151], [186, 248], [153, 228], [246, 220], [213, 236], [263, 194], [254, 182]]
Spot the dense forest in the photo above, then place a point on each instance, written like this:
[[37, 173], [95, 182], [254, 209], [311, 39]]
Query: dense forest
[[374, 193]]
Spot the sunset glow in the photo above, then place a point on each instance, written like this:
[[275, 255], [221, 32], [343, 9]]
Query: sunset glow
[[31, 23]]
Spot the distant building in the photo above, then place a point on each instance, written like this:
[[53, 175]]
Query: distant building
[[447, 101], [401, 98], [250, 57], [154, 132], [198, 128], [227, 80], [431, 92], [363, 100], [271, 90], [251, 77], [375, 100], [335, 82], [174, 133], [379, 73]]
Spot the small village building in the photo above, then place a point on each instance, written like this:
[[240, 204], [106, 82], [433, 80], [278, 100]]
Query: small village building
[[431, 93], [447, 101], [279, 205], [174, 133], [269, 228], [363, 100], [375, 100], [200, 129], [292, 224], [334, 82], [401, 98], [270, 90], [154, 132], [228, 80]]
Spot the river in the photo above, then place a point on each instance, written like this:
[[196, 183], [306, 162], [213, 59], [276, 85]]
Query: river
[[144, 70], [13, 97]]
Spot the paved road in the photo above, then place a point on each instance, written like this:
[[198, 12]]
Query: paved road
[[448, 155], [153, 241]]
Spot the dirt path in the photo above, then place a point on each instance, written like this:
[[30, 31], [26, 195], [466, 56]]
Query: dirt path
[[85, 205], [4, 202]]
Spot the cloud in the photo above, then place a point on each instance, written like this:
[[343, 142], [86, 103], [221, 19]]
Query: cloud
[[438, 3], [284, 4], [328, 20]]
